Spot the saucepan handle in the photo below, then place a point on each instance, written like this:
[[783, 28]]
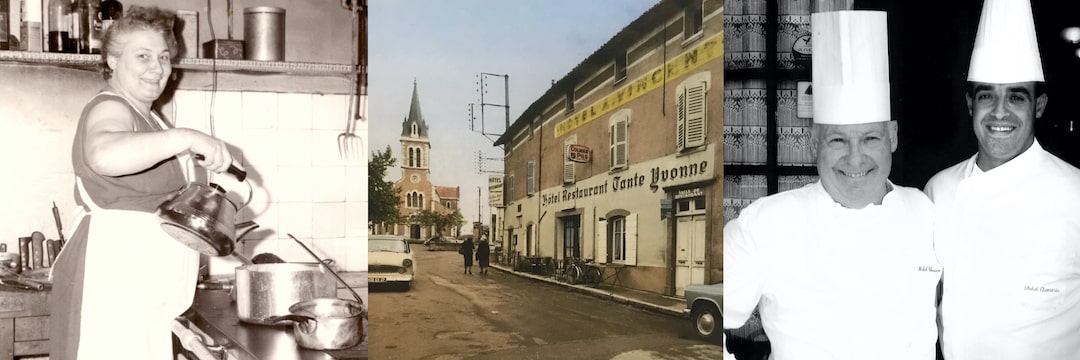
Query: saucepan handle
[[289, 318], [235, 171]]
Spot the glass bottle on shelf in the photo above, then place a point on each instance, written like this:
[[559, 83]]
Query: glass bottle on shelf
[[111, 10], [59, 25], [93, 25]]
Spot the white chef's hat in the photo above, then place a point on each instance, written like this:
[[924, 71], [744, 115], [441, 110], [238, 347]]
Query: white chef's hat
[[850, 67], [1005, 47]]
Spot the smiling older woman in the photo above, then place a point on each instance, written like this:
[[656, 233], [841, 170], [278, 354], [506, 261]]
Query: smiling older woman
[[121, 277]]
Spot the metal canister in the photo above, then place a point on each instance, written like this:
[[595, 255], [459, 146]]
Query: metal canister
[[264, 33]]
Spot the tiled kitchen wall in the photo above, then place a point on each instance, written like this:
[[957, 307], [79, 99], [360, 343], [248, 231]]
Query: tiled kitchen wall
[[301, 183]]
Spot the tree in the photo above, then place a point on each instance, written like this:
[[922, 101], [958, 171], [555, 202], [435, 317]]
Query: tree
[[384, 200], [441, 221]]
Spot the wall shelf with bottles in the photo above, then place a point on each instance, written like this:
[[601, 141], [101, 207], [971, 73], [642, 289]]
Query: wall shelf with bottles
[[90, 62]]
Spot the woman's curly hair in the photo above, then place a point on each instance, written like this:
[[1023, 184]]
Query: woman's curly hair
[[137, 18]]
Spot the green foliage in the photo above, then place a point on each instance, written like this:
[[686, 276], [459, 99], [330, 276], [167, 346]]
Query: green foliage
[[384, 200], [441, 221]]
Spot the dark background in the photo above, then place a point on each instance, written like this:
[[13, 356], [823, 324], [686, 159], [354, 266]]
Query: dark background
[[930, 47]]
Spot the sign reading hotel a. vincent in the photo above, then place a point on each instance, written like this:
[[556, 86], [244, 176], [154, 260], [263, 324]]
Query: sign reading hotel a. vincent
[[649, 176], [495, 191], [710, 49]]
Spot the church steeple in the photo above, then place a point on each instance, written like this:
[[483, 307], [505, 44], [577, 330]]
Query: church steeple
[[414, 125]]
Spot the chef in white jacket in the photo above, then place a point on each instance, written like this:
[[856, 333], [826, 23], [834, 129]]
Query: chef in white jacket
[[1008, 226], [843, 268]]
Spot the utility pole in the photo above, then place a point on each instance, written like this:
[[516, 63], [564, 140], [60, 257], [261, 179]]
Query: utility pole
[[482, 82]]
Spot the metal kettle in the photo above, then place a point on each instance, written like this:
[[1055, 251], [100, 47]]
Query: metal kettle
[[201, 217]]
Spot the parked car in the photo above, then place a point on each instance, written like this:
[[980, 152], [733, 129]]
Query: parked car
[[440, 242], [390, 260], [706, 303]]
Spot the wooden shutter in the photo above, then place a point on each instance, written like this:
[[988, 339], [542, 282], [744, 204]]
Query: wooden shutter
[[680, 117], [601, 241], [694, 120], [631, 240]]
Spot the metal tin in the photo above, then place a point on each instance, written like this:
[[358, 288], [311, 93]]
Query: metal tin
[[264, 33]]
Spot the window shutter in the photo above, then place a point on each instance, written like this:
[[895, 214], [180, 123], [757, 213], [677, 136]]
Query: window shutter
[[695, 115], [620, 147], [568, 172], [530, 183], [631, 239], [568, 166], [601, 241], [680, 116]]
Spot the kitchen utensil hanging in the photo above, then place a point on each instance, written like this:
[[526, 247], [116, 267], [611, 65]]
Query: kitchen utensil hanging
[[351, 145]]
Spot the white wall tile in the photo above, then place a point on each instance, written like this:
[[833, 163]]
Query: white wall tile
[[330, 112], [294, 218], [192, 110], [260, 149], [294, 111], [228, 110], [327, 183], [356, 253], [260, 110], [328, 220], [356, 182], [356, 219], [293, 184], [327, 147], [294, 147]]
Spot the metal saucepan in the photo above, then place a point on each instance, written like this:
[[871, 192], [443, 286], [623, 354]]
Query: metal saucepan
[[326, 323], [202, 217], [267, 290]]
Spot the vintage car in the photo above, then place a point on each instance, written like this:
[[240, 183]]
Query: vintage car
[[439, 242], [706, 303], [390, 260]]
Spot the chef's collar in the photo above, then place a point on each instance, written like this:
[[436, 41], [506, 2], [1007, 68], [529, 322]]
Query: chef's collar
[[1025, 157]]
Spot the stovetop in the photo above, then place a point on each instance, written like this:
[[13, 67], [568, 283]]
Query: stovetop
[[214, 313]]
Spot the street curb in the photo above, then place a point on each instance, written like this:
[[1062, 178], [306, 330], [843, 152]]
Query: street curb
[[599, 293]]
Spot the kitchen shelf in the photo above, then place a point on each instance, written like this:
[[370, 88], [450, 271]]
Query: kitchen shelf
[[90, 62]]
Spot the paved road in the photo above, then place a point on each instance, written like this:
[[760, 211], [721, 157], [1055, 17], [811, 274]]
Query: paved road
[[449, 315]]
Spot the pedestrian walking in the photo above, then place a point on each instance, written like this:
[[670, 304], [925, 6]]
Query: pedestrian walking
[[483, 253], [467, 251]]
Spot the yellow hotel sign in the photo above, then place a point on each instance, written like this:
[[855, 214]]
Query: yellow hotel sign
[[709, 50]]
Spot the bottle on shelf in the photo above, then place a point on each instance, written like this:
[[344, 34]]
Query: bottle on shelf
[[93, 25], [5, 20], [79, 30], [59, 26], [111, 10]]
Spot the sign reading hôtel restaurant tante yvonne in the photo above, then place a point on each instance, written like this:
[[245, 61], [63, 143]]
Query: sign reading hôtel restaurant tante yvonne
[[649, 176]]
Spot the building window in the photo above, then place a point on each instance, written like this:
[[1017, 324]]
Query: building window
[[413, 129], [410, 200], [618, 139], [420, 201], [568, 166], [618, 242], [692, 19], [508, 189], [620, 67], [569, 101], [412, 158], [618, 239], [530, 178], [419, 157], [691, 111]]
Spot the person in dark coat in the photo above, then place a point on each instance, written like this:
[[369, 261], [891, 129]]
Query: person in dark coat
[[467, 251], [483, 252]]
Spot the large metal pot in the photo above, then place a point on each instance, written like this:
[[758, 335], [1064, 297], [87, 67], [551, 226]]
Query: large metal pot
[[326, 323], [267, 290]]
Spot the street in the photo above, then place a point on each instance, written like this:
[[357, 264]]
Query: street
[[450, 315]]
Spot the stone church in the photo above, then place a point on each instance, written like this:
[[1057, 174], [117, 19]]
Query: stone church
[[417, 190]]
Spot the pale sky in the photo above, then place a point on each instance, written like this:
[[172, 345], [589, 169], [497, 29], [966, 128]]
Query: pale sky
[[445, 44]]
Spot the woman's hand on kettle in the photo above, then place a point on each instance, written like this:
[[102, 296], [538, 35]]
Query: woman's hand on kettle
[[215, 154]]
